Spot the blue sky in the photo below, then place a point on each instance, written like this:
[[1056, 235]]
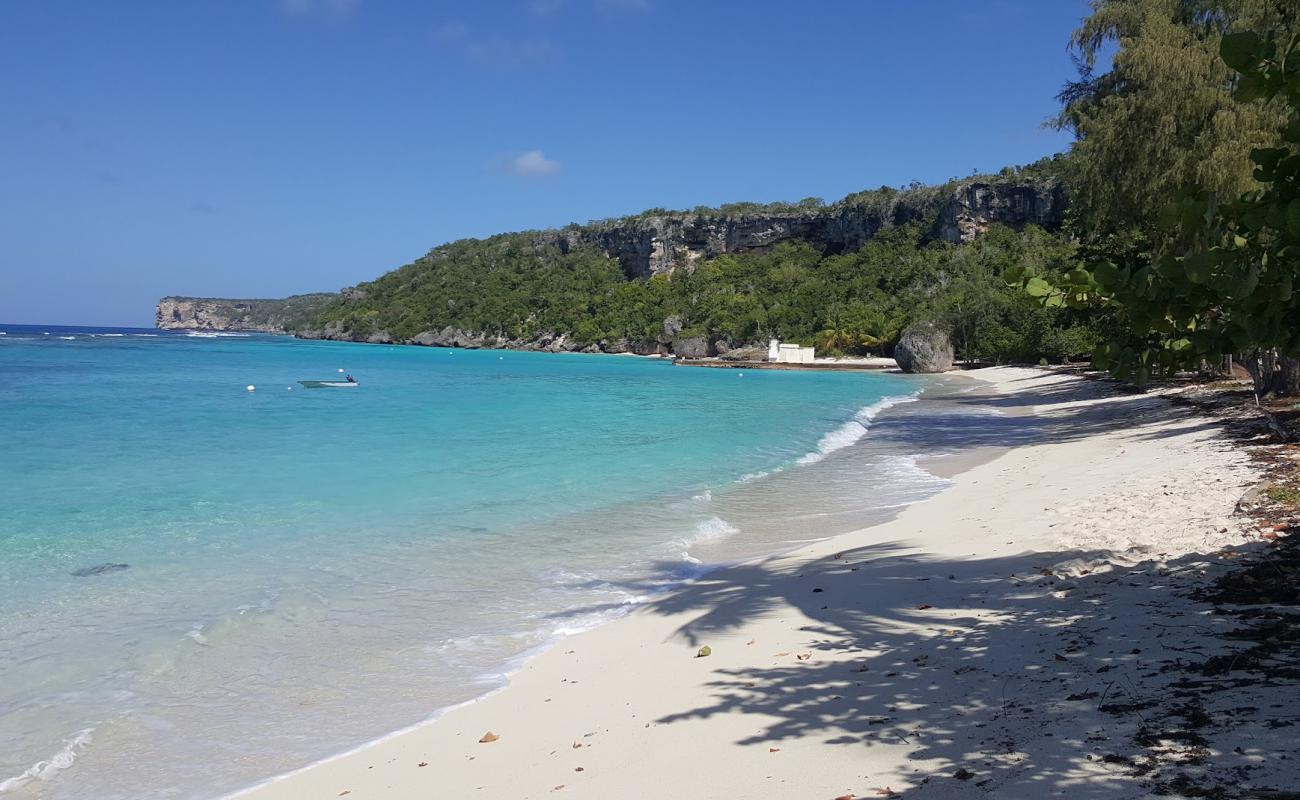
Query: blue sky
[[258, 148]]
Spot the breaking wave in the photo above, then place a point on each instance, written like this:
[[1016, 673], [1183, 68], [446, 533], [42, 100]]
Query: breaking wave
[[46, 769], [854, 429]]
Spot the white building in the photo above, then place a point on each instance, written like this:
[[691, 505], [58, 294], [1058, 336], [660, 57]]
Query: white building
[[785, 353]]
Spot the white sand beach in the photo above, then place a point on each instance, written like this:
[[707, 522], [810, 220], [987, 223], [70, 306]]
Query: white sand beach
[[1007, 638]]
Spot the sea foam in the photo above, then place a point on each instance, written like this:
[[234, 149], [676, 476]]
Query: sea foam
[[45, 769], [854, 429]]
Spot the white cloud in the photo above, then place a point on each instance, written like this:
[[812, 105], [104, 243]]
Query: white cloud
[[327, 8], [494, 50], [506, 53], [532, 164], [613, 6]]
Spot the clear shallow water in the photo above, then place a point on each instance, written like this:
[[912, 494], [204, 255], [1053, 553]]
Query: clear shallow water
[[311, 569]]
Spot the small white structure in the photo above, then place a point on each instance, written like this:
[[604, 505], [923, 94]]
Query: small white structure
[[785, 353]]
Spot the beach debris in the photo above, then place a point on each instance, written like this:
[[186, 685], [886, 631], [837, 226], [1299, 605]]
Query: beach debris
[[558, 787], [803, 656], [782, 653], [845, 797], [886, 792], [924, 606], [578, 769], [818, 589], [423, 764], [751, 641], [99, 569], [488, 738], [704, 651], [839, 556], [963, 774], [345, 792], [576, 745], [773, 749]]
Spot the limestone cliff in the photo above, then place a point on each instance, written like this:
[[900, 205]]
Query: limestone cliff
[[651, 244], [660, 242], [213, 314]]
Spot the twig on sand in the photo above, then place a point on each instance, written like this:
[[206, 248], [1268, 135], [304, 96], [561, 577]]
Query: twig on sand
[[1102, 701]]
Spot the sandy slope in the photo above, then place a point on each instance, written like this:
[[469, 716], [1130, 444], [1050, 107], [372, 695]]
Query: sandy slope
[[1008, 628]]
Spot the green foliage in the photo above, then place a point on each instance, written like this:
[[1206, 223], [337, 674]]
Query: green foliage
[[1286, 495], [511, 285], [1165, 116], [1220, 277], [521, 285]]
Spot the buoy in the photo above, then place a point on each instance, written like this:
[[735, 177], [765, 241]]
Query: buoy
[[290, 388], [251, 387], [340, 370], [741, 374]]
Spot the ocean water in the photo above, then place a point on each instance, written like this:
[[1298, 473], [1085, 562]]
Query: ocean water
[[202, 586]]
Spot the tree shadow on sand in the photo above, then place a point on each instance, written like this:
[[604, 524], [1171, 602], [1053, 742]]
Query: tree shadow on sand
[[1030, 675], [1071, 673]]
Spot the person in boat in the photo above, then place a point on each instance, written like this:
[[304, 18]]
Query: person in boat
[[351, 379]]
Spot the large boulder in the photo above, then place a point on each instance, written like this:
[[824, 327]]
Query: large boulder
[[924, 348], [691, 347]]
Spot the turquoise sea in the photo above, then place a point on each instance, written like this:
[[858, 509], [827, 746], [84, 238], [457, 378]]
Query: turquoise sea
[[202, 586]]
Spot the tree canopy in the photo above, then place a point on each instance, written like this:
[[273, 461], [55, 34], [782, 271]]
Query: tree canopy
[[1219, 274], [1164, 115]]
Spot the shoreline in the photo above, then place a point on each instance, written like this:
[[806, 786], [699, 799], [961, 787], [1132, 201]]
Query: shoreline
[[941, 465], [846, 363], [838, 668]]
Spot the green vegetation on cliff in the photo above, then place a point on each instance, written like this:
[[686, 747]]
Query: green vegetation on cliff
[[520, 287]]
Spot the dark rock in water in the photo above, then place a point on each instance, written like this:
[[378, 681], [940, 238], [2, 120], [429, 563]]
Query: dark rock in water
[[924, 348], [99, 569]]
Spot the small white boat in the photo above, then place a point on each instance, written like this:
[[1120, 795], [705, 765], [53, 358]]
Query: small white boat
[[328, 384]]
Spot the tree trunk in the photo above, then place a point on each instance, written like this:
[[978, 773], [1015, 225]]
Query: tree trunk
[[1289, 376], [1262, 366]]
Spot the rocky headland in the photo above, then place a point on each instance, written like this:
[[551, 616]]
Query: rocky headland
[[218, 314], [660, 243]]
